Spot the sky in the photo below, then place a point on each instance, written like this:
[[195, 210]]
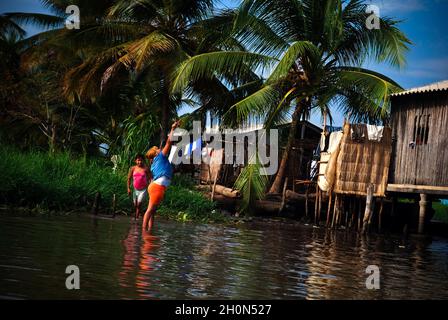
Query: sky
[[423, 21]]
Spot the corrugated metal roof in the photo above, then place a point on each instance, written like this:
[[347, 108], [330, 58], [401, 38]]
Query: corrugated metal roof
[[438, 86]]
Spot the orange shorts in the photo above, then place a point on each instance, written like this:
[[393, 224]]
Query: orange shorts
[[156, 193]]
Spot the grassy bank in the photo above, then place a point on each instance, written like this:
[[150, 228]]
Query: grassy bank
[[60, 183], [441, 213]]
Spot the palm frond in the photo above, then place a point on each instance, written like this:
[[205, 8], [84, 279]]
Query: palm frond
[[251, 183], [256, 104], [207, 65], [371, 90], [295, 51], [141, 51], [38, 19]]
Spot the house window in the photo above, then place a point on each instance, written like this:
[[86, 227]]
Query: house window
[[421, 129]]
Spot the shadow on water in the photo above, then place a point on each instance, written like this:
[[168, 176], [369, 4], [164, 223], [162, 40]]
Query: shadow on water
[[193, 261]]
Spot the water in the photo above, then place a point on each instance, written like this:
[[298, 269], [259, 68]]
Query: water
[[193, 261]]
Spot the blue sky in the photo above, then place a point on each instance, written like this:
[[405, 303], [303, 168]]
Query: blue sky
[[424, 22]]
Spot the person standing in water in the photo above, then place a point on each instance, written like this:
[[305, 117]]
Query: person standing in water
[[140, 176], [162, 173]]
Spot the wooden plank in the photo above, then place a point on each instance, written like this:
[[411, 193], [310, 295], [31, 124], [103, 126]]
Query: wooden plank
[[410, 188]]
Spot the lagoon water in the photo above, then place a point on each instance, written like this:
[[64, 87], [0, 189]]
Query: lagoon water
[[263, 260]]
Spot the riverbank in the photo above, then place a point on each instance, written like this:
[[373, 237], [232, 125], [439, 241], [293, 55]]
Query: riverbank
[[46, 183]]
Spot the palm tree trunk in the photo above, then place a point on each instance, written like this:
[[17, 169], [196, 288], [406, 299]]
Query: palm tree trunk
[[277, 184]]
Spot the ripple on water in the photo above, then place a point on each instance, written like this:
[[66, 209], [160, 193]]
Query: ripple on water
[[262, 261]]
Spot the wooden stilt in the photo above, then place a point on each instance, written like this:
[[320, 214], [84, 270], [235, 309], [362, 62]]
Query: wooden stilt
[[380, 215], [319, 209], [212, 196], [368, 211], [359, 214], [352, 212], [421, 217], [282, 206], [306, 202], [340, 210], [335, 209], [316, 204], [347, 211], [329, 208]]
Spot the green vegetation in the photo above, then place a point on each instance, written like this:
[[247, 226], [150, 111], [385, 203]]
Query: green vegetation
[[59, 182], [112, 88], [441, 212]]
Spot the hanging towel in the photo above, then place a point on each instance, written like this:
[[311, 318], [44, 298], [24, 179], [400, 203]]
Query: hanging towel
[[375, 133]]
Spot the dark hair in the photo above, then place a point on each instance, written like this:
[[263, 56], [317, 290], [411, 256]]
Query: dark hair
[[139, 156]]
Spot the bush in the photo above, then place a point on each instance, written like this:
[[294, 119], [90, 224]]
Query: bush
[[57, 182], [184, 204], [61, 182]]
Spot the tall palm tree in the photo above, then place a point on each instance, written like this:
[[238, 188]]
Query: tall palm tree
[[319, 47]]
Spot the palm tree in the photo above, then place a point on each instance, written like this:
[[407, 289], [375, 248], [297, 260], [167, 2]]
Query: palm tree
[[319, 47], [142, 43], [125, 53]]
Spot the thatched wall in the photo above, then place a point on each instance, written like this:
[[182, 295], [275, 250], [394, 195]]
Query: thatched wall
[[360, 163]]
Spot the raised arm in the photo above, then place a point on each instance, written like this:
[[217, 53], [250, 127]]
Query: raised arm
[[167, 147]]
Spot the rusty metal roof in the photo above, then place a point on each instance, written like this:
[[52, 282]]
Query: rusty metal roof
[[438, 86]]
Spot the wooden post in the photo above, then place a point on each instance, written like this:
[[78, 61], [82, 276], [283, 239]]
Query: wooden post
[[214, 185], [352, 212], [306, 201], [347, 211], [282, 206], [316, 204], [421, 217], [96, 203], [114, 204], [329, 208], [380, 215], [359, 214], [319, 208], [368, 211], [335, 210]]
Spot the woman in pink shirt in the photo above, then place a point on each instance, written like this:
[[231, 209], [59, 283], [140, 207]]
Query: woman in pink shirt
[[140, 176]]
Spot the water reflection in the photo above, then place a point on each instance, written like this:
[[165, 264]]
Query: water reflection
[[258, 261]]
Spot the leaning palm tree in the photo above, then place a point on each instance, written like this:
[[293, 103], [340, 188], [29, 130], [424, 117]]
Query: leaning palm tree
[[319, 47]]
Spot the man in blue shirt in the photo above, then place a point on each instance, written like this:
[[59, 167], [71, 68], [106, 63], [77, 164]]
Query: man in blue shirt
[[162, 173]]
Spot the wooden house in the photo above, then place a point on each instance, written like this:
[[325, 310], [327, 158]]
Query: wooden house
[[419, 120]]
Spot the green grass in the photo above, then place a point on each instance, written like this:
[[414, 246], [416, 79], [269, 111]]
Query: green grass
[[441, 212], [61, 182]]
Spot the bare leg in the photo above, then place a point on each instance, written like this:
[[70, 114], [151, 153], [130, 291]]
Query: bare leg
[[151, 220], [148, 218], [137, 211]]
